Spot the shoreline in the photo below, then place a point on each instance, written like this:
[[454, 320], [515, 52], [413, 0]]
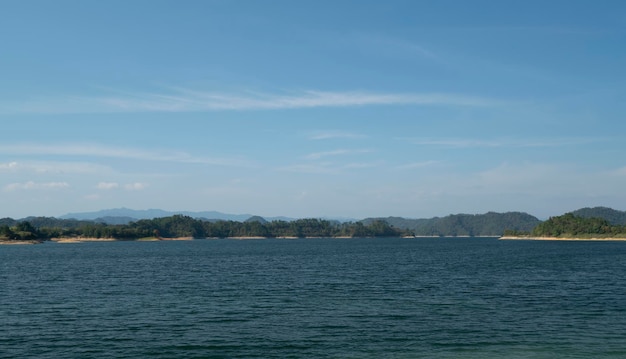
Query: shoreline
[[80, 240], [67, 240], [91, 239], [529, 238], [157, 239], [11, 242]]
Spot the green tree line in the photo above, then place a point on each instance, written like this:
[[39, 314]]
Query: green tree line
[[488, 224], [184, 226], [38, 228]]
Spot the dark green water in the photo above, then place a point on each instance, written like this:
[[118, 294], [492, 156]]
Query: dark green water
[[314, 298]]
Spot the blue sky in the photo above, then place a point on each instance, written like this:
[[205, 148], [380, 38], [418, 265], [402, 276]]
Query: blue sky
[[312, 108]]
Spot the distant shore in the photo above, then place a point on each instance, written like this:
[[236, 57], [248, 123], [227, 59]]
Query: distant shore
[[530, 238], [89, 239], [12, 242], [80, 240], [64, 240]]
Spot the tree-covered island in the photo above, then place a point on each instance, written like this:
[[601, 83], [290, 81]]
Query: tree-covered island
[[571, 226]]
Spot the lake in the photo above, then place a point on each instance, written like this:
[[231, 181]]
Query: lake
[[318, 298]]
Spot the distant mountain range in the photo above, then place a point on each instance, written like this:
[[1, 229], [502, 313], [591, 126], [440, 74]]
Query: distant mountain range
[[126, 215]]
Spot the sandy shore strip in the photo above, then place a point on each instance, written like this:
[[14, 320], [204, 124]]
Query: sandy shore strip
[[175, 239], [13, 242], [81, 240], [87, 239], [560, 239]]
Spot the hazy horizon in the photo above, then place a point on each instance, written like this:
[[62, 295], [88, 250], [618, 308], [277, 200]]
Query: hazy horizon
[[312, 109]]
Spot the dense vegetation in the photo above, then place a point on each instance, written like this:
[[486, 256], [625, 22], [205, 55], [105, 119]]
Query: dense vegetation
[[184, 226], [608, 223], [489, 224], [571, 226], [21, 231]]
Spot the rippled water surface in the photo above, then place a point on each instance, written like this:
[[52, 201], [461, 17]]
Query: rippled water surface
[[325, 298]]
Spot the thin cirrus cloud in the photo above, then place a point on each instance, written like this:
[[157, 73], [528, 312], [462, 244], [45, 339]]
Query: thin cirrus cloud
[[329, 167], [311, 168], [135, 186], [520, 143], [362, 165], [340, 152], [31, 185], [329, 135], [392, 46], [94, 150], [185, 100], [414, 165], [40, 167], [107, 185], [10, 166]]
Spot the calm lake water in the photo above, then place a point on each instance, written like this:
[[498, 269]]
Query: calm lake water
[[318, 298]]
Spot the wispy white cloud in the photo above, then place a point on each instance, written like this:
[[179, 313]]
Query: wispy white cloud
[[56, 167], [31, 185], [107, 185], [456, 143], [620, 171], [414, 165], [185, 100], [394, 47], [89, 150], [359, 165], [10, 166], [520, 143], [329, 167], [538, 30], [97, 150], [311, 168], [137, 186], [327, 135], [340, 152]]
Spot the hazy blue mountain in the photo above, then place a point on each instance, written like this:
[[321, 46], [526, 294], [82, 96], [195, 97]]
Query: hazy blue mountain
[[340, 219], [613, 216], [256, 219], [154, 213], [134, 214]]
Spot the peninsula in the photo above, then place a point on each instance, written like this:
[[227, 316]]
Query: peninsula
[[571, 227]]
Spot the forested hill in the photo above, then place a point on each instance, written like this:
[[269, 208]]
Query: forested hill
[[488, 224], [613, 216], [571, 226]]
